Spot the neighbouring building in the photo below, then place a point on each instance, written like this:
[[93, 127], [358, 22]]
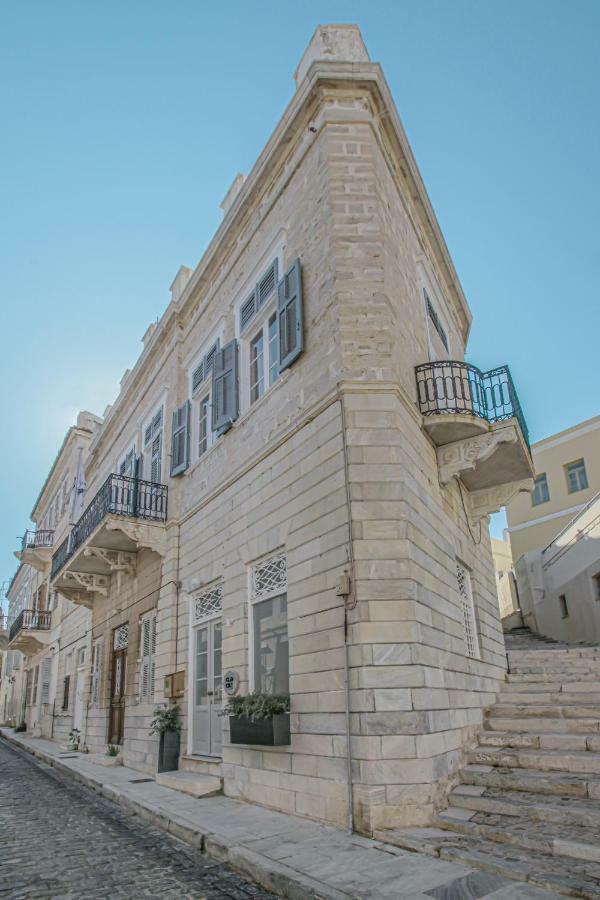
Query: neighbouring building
[[290, 493], [567, 476], [506, 585], [559, 586]]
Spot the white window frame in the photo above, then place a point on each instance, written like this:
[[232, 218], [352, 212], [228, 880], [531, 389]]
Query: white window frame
[[254, 599], [203, 390], [580, 468], [259, 326], [469, 615], [147, 447], [123, 458], [537, 498]]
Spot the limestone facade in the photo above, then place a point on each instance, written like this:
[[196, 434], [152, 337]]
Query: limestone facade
[[319, 541]]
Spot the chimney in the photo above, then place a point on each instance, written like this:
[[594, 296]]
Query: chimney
[[236, 186], [332, 43]]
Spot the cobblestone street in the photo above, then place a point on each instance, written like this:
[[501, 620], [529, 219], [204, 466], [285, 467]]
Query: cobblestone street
[[61, 840]]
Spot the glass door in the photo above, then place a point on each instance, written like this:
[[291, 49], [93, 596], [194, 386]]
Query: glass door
[[208, 697]]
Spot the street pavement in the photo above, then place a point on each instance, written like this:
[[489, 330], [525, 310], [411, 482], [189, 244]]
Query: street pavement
[[61, 840]]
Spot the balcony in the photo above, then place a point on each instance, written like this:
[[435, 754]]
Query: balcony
[[36, 549], [476, 422], [126, 515], [29, 633]]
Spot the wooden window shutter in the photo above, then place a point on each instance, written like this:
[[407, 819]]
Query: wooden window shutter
[[289, 317], [267, 284], [197, 377], [209, 359], [96, 671], [46, 675], [180, 444], [248, 310], [225, 397], [66, 684], [148, 649], [155, 463]]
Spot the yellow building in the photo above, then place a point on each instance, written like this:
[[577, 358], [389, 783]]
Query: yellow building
[[505, 577], [567, 468]]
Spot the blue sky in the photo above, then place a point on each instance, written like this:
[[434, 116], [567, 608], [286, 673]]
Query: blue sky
[[124, 123]]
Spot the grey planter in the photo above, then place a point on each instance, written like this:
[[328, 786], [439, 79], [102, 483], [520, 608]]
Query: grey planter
[[168, 751], [273, 732]]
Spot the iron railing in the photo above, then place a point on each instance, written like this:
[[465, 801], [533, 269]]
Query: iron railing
[[30, 620], [449, 386], [32, 540], [120, 495]]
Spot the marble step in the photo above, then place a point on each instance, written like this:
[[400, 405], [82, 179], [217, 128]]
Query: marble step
[[540, 741], [564, 678], [564, 698], [524, 804], [553, 654], [191, 783], [583, 668], [515, 722], [571, 761], [563, 784], [581, 710], [559, 875], [573, 841]]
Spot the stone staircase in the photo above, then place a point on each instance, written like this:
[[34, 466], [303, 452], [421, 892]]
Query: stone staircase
[[528, 806]]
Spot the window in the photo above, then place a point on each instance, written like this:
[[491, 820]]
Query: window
[[540, 492], [596, 585], [273, 350], [153, 446], [564, 609], [204, 430], [257, 380], [465, 591], [66, 683], [81, 657], [36, 676], [576, 476], [269, 660], [147, 654], [435, 319], [127, 464], [96, 670], [46, 675]]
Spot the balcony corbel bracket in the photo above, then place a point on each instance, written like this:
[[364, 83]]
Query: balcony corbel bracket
[[149, 537], [92, 584], [485, 502], [461, 456], [115, 560]]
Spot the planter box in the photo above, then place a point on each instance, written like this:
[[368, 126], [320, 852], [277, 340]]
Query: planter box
[[168, 751], [273, 732]]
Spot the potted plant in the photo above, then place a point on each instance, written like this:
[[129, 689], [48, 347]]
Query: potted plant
[[166, 724], [262, 719], [74, 737]]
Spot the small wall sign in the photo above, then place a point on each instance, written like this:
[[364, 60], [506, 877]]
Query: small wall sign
[[231, 682], [174, 685]]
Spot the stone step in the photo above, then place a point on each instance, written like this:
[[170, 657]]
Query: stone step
[[541, 724], [540, 740], [568, 761], [571, 878], [191, 783], [563, 784], [564, 698], [564, 678], [527, 805], [202, 765], [548, 711], [550, 654], [581, 667], [574, 841]]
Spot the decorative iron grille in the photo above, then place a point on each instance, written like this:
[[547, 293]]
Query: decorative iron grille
[[121, 637], [120, 495], [32, 540], [468, 608], [448, 386], [269, 578], [208, 604]]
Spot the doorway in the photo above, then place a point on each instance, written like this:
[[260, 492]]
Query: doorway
[[118, 682], [79, 690], [208, 692]]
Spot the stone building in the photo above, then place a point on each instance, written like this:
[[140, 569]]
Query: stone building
[[293, 484]]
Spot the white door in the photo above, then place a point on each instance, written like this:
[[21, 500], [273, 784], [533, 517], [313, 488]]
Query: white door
[[78, 694], [208, 697]]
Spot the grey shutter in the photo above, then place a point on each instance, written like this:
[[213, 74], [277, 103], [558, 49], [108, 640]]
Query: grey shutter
[[267, 284], [46, 675], [197, 377], [248, 310], [155, 459], [210, 357], [180, 443], [289, 317], [225, 402]]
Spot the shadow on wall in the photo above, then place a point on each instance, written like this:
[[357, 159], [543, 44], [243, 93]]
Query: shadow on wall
[[559, 588]]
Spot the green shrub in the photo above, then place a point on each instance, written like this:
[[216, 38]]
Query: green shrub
[[113, 750], [165, 720], [21, 727], [257, 706]]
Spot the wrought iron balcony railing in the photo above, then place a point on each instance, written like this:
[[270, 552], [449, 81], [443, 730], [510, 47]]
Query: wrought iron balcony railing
[[120, 495], [458, 387], [33, 540], [30, 620]]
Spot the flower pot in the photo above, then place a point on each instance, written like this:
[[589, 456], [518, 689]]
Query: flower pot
[[273, 732], [168, 751]]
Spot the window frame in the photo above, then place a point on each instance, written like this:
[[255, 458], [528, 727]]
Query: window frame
[[253, 602], [130, 450], [261, 329], [149, 423], [564, 606], [576, 467], [540, 502]]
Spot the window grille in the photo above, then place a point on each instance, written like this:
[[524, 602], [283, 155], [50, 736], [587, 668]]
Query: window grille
[[121, 637], [436, 321], [269, 578], [468, 608], [208, 604]]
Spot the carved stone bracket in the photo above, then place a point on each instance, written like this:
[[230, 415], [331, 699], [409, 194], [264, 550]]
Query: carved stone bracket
[[82, 587], [460, 456], [483, 503], [149, 537], [116, 560]]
